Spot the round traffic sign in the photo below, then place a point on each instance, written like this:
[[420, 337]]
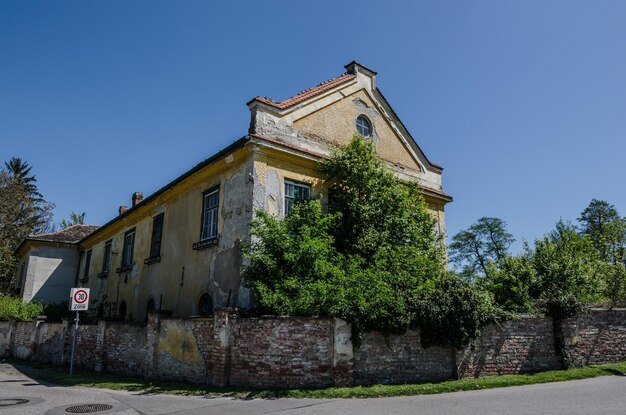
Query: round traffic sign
[[80, 296]]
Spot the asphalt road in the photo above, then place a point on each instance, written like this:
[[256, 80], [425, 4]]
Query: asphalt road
[[604, 395]]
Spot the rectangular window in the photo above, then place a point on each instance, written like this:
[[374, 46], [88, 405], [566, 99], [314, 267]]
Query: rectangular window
[[129, 244], [210, 203], [157, 232], [106, 259], [87, 265], [294, 192]]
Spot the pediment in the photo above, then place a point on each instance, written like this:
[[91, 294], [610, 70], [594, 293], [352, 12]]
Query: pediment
[[335, 124]]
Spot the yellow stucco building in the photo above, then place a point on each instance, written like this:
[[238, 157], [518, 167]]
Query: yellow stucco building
[[178, 250]]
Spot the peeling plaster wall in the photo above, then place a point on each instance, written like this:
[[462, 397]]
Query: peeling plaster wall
[[269, 181], [335, 125], [183, 350], [183, 274]]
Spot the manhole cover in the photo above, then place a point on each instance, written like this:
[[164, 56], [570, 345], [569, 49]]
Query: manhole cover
[[89, 408], [11, 402]]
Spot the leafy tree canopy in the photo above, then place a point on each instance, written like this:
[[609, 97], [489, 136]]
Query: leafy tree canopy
[[373, 258], [567, 277], [23, 211], [482, 244], [606, 229]]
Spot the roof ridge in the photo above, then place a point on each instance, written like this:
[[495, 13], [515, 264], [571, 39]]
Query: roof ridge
[[61, 230], [306, 93]]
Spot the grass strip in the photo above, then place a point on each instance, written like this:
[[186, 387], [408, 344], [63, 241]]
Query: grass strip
[[137, 384]]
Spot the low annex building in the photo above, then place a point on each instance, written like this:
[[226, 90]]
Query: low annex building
[[48, 264], [183, 242]]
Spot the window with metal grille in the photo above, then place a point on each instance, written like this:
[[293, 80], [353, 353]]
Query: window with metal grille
[[157, 232], [295, 192], [210, 203], [127, 252]]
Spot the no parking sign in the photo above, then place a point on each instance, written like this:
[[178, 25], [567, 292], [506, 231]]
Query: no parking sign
[[79, 299]]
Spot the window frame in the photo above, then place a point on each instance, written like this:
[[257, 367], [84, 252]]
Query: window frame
[[368, 124], [127, 260], [287, 207], [156, 252], [215, 220], [106, 258], [88, 255]]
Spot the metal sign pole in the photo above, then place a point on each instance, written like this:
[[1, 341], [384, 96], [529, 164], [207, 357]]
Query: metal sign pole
[[73, 345], [79, 301]]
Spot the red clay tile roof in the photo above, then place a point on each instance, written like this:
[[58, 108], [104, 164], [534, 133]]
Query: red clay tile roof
[[307, 93], [70, 234]]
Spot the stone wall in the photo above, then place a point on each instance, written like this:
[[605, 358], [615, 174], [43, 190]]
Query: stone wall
[[273, 352], [125, 349], [400, 359], [525, 345], [595, 338], [183, 350], [52, 343], [305, 352]]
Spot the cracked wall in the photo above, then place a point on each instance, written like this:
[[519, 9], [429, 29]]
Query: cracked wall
[[183, 274]]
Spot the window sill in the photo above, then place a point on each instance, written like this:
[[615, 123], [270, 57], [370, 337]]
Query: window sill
[[152, 260], [206, 243], [103, 274], [124, 269]]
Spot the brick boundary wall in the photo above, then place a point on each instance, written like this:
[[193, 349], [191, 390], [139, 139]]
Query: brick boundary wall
[[280, 352]]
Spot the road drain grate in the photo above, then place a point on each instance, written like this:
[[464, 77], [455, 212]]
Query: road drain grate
[[88, 408], [11, 402]]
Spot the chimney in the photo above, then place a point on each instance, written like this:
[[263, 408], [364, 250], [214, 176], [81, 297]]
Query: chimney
[[123, 209], [137, 198]]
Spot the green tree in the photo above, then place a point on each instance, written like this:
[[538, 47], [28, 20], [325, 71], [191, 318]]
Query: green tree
[[482, 244], [606, 229], [372, 259], [294, 266], [512, 281], [381, 217], [567, 273], [75, 219], [23, 211]]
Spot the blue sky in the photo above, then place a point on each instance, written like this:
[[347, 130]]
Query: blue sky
[[522, 102]]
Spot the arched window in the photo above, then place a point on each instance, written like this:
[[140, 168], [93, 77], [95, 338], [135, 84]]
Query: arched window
[[122, 311], [149, 308], [205, 305], [363, 126]]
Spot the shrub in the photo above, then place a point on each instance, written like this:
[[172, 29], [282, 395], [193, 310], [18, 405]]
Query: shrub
[[12, 308]]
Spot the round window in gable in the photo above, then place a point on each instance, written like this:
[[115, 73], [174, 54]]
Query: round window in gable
[[363, 126]]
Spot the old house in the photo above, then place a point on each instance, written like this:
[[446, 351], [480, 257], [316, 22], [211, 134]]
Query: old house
[[178, 250]]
